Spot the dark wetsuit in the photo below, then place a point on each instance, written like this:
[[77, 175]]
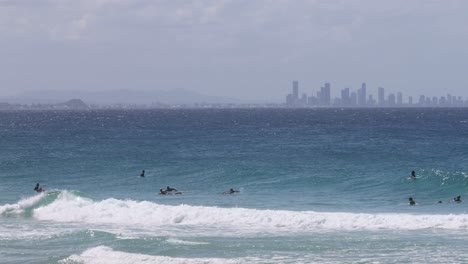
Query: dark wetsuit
[[37, 188]]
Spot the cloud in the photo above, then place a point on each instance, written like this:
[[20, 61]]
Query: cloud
[[312, 18], [218, 43]]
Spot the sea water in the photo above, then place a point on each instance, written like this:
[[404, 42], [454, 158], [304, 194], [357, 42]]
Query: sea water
[[316, 186]]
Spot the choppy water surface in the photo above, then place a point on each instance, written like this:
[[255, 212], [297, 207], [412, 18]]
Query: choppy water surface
[[316, 185]]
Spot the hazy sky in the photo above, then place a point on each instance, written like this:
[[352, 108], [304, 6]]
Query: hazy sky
[[248, 49]]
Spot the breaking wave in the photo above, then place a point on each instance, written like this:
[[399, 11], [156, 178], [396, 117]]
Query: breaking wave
[[66, 206]]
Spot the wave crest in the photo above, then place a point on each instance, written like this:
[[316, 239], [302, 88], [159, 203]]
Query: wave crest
[[68, 207]]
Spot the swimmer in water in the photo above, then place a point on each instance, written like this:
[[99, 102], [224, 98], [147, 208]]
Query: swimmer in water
[[413, 175], [38, 188], [142, 174], [457, 199], [411, 201]]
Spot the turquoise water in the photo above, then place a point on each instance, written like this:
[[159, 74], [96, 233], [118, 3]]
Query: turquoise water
[[316, 185]]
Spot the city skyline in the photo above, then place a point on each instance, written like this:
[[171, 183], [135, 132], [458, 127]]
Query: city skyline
[[363, 98]]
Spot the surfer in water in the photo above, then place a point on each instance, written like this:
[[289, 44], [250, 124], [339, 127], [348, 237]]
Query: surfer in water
[[457, 199], [169, 189], [413, 175], [411, 201], [38, 188], [142, 174], [231, 191]]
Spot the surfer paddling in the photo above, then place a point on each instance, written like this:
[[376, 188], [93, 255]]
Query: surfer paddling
[[169, 190], [231, 191]]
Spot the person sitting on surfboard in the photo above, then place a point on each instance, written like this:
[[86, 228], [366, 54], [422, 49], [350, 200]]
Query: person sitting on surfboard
[[411, 201], [142, 174], [38, 188], [413, 175]]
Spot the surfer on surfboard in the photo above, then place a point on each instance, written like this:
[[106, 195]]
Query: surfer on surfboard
[[38, 188]]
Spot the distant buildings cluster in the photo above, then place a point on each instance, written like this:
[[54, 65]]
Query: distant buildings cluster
[[361, 98], [73, 104]]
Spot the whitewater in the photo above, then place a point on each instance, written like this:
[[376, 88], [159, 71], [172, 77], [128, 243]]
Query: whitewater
[[69, 208]]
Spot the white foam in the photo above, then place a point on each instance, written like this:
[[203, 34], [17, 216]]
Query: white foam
[[104, 255], [23, 204], [184, 242], [70, 208]]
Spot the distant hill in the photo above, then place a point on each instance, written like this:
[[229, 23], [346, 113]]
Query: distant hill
[[179, 96]]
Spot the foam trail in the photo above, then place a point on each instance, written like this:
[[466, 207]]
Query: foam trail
[[104, 255], [70, 208]]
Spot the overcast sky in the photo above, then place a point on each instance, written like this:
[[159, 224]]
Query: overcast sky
[[248, 49]]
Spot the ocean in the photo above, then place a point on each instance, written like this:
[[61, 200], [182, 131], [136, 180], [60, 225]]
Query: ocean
[[315, 186]]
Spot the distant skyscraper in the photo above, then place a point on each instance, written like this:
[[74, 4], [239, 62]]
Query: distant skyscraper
[[442, 101], [422, 100], [428, 101], [289, 100], [381, 96], [353, 98], [391, 100], [399, 98], [312, 100], [325, 95], [410, 100], [345, 99], [362, 95], [295, 91], [304, 99], [370, 100]]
